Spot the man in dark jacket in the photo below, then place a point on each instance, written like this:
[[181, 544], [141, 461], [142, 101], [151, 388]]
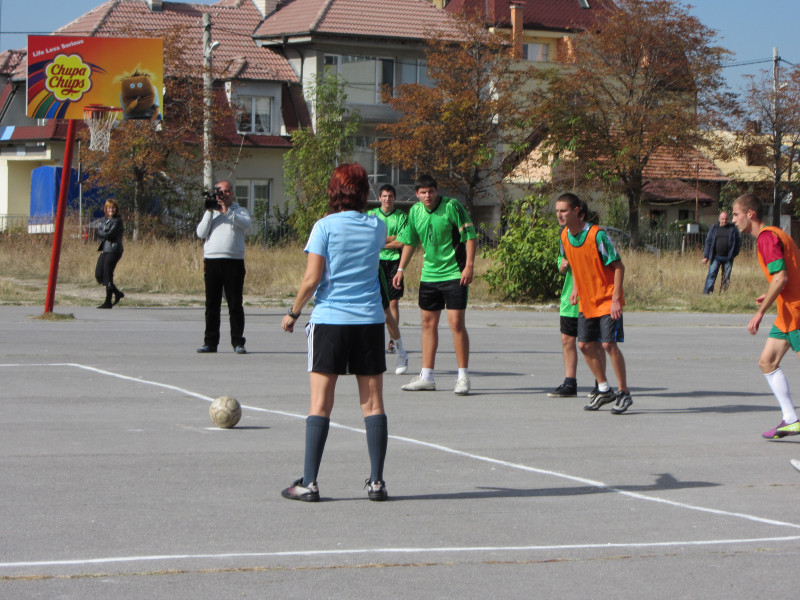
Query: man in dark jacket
[[722, 246]]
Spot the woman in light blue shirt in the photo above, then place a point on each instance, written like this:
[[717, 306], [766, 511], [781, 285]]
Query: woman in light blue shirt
[[346, 329]]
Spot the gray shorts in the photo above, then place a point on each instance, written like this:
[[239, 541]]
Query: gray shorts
[[600, 329]]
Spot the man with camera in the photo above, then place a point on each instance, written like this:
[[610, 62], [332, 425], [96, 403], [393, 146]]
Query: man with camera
[[223, 227]]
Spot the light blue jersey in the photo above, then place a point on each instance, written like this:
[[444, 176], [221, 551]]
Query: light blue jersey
[[349, 292]]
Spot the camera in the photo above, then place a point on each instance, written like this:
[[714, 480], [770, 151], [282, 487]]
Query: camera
[[211, 198]]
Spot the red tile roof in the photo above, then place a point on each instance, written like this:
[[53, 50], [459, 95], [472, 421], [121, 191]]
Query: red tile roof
[[407, 19], [673, 190], [547, 15], [232, 24], [689, 166]]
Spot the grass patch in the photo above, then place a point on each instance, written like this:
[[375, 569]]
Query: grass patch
[[170, 273]]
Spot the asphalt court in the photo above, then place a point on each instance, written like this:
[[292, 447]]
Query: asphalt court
[[115, 483]]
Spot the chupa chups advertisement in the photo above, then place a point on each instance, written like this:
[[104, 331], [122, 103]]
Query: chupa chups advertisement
[[67, 73]]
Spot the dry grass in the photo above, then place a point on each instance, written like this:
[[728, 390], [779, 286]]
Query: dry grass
[[170, 273]]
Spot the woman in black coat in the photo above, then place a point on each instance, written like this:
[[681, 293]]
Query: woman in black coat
[[110, 233]]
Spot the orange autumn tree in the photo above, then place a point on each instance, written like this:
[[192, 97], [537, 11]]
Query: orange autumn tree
[[458, 127], [649, 77], [159, 164]]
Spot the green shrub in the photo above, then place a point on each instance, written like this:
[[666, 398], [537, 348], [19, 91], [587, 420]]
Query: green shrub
[[525, 258]]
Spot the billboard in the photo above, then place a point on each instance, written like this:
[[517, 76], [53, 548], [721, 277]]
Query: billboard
[[67, 73]]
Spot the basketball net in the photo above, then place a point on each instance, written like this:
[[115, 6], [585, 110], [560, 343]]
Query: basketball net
[[100, 120]]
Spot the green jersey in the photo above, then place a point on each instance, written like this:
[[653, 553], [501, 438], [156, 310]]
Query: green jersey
[[442, 233], [395, 221], [567, 309]]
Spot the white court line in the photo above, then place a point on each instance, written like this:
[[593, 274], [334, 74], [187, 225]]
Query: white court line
[[372, 551], [446, 449]]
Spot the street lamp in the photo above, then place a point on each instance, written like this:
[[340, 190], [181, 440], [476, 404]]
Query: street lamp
[[208, 48]]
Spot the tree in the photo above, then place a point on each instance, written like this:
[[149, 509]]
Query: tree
[[151, 163], [649, 78], [315, 153], [770, 136], [525, 260], [455, 128]]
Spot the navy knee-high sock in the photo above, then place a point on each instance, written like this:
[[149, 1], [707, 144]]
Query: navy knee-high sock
[[316, 434], [377, 440]]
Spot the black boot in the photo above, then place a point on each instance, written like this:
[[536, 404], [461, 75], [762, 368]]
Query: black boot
[[118, 295], [107, 303]]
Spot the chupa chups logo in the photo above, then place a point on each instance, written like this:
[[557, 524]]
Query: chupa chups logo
[[68, 77]]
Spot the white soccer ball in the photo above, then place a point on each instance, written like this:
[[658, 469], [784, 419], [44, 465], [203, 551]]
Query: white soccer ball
[[225, 412]]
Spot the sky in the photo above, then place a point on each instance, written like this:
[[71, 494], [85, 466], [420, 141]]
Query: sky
[[749, 29]]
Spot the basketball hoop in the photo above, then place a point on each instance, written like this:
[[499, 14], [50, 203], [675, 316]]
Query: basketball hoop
[[100, 121]]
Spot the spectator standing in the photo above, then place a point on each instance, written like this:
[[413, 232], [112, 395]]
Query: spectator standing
[[224, 229], [722, 246]]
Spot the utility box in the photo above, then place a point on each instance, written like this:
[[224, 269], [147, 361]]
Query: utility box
[[693, 228]]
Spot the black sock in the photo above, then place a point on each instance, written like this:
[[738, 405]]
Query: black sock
[[316, 434], [571, 381], [377, 440]]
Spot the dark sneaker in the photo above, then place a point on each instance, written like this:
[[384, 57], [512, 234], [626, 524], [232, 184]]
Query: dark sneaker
[[564, 391], [376, 490], [297, 491], [623, 402], [601, 399], [782, 430], [594, 392]]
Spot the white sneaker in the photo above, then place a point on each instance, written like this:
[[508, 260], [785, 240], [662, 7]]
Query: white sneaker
[[462, 387], [418, 384], [401, 366]]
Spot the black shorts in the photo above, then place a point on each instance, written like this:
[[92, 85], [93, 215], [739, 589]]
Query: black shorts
[[436, 295], [346, 349], [569, 326], [600, 329], [389, 268]]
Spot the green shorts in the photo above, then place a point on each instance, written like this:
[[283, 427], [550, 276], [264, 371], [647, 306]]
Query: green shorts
[[793, 337]]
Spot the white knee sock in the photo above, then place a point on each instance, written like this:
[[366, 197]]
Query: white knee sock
[[780, 387], [399, 345], [426, 374]]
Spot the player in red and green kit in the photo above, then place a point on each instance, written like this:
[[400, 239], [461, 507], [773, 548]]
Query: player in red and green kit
[[780, 260], [443, 228]]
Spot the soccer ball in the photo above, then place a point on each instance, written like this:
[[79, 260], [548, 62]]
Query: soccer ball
[[225, 412]]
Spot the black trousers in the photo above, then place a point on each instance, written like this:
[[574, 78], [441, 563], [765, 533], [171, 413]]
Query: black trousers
[[224, 275], [104, 270]]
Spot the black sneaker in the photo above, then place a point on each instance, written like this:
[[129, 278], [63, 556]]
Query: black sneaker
[[601, 399], [564, 391], [623, 402], [376, 490], [297, 491]]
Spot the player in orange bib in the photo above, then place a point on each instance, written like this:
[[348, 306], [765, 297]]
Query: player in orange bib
[[598, 274], [780, 260]]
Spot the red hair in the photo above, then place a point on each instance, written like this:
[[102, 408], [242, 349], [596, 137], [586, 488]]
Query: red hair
[[348, 189]]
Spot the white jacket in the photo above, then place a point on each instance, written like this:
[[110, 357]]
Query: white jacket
[[224, 234]]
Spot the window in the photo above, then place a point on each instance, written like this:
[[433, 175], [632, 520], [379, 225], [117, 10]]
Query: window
[[254, 194], [365, 76], [657, 218], [255, 114], [414, 71], [536, 52], [379, 173], [685, 215]]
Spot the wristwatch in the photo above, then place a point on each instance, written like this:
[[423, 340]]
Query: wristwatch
[[295, 316]]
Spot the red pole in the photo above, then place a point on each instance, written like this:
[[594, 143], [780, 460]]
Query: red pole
[[58, 232]]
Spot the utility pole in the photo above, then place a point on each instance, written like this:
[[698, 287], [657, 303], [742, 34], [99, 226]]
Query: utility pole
[[777, 139], [208, 168]]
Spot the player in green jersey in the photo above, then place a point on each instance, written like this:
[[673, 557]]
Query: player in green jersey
[[443, 228]]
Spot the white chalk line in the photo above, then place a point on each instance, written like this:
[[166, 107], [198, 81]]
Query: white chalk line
[[439, 447], [373, 551]]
